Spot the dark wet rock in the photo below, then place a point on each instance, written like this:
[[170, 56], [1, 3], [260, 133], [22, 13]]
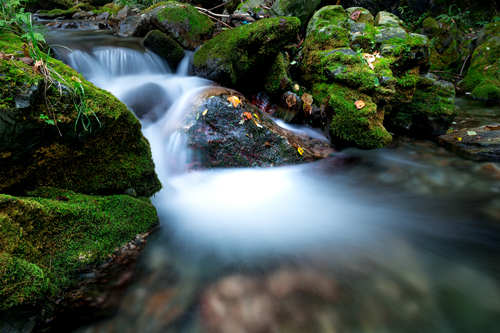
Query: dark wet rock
[[148, 101], [221, 135], [164, 46], [483, 77], [235, 57], [103, 16], [480, 144], [50, 147], [81, 15], [123, 13], [132, 26]]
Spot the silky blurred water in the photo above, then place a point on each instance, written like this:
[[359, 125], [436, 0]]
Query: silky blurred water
[[409, 233]]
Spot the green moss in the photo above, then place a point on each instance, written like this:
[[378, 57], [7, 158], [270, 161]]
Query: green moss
[[47, 238], [112, 157], [183, 22], [278, 80], [351, 126], [483, 76], [64, 12], [327, 30], [234, 56]]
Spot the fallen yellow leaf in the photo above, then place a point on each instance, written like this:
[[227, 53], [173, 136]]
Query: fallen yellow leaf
[[235, 101], [204, 113], [459, 139], [300, 151]]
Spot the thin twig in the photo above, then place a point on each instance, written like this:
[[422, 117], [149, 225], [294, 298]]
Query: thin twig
[[465, 62], [216, 19]]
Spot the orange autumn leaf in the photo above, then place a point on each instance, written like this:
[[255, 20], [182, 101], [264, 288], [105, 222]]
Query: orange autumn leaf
[[359, 104], [247, 115], [234, 100]]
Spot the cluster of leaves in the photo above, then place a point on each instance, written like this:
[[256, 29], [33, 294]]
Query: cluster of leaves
[[14, 19]]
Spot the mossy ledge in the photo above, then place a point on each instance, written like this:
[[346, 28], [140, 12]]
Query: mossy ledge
[[48, 237], [109, 158]]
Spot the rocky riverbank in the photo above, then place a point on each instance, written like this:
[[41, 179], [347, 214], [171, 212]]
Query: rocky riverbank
[[76, 172]]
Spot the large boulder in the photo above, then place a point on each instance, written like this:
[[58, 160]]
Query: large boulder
[[67, 133], [46, 238], [351, 57], [483, 77], [231, 134], [236, 57]]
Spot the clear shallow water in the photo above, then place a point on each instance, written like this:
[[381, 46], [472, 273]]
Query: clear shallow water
[[408, 235]]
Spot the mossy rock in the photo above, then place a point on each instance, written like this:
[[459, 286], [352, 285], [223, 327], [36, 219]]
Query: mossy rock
[[483, 76], [349, 125], [43, 141], [297, 8], [237, 57], [65, 13], [165, 47], [182, 22], [278, 79], [46, 238], [327, 30], [430, 112]]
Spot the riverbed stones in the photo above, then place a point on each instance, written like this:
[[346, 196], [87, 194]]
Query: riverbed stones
[[479, 144]]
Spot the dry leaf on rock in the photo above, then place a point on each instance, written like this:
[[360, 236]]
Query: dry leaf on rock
[[234, 100], [359, 104]]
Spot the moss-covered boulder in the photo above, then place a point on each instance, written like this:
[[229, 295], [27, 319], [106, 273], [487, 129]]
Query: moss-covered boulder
[[46, 238], [64, 132], [483, 77], [352, 124], [430, 112], [181, 21], [350, 56], [238, 57], [450, 46], [165, 47]]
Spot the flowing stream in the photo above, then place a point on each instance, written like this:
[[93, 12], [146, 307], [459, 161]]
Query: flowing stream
[[408, 234]]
